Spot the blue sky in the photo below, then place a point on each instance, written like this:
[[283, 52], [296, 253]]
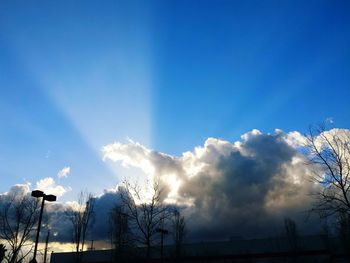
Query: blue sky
[[75, 76]]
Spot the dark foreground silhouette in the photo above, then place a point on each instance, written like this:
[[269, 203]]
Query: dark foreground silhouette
[[308, 249]]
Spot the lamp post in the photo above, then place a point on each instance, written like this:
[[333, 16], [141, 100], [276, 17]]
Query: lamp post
[[46, 244], [50, 198]]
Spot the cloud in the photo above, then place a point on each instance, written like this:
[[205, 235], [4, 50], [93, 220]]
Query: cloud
[[60, 224], [329, 120], [48, 154], [64, 172], [244, 187], [331, 137], [55, 215], [49, 186], [19, 190]]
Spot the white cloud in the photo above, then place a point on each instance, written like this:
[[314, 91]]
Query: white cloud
[[177, 172], [228, 184], [329, 120], [49, 186], [64, 172], [18, 190], [295, 139], [332, 137], [129, 154], [249, 135]]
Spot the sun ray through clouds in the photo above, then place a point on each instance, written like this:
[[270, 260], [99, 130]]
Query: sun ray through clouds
[[103, 87]]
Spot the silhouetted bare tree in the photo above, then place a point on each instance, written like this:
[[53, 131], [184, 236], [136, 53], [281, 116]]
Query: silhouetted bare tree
[[18, 218], [119, 229], [343, 229], [146, 211], [178, 231], [329, 152], [2, 252], [292, 233], [81, 217]]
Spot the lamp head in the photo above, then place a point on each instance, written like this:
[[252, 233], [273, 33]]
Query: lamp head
[[37, 193], [50, 198]]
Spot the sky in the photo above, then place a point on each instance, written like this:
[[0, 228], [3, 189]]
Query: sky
[[75, 77]]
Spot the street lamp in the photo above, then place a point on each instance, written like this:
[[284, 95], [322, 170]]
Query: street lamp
[[50, 198]]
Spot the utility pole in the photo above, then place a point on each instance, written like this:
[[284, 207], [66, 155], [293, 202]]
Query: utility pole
[[92, 245]]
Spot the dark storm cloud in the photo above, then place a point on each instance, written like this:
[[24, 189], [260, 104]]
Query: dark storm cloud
[[104, 204], [230, 196], [62, 227]]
